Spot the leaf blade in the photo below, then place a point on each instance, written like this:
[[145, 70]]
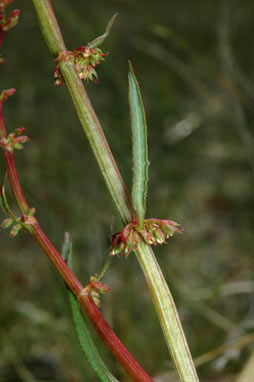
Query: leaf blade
[[99, 40], [85, 340], [139, 147]]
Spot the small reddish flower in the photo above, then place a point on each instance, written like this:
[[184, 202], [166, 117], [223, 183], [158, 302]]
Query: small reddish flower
[[5, 3], [94, 288], [84, 60], [14, 140], [10, 22], [153, 232], [5, 94], [58, 76], [26, 221]]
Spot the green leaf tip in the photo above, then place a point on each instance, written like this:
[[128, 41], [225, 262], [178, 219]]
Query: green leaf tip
[[139, 147], [99, 40], [85, 340]]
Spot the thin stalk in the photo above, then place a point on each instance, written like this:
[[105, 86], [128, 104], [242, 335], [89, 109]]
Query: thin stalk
[[12, 172], [105, 267], [2, 33], [162, 299]]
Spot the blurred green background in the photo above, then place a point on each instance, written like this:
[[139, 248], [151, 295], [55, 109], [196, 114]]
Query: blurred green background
[[194, 62]]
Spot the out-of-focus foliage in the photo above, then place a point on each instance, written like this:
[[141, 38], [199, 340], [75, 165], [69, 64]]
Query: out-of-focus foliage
[[194, 64]]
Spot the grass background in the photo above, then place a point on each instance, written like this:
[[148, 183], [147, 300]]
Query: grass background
[[194, 64]]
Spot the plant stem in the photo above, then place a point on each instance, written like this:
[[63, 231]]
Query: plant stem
[[2, 34], [166, 310], [162, 298], [97, 141], [12, 171], [48, 20]]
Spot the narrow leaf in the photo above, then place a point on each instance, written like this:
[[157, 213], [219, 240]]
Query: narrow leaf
[[139, 147], [3, 200], [84, 337], [99, 40]]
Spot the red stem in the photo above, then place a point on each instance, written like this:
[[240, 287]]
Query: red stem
[[11, 168], [14, 181], [101, 326], [1, 36], [2, 33], [3, 133]]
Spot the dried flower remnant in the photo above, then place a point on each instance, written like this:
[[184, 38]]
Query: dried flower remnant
[[153, 232]]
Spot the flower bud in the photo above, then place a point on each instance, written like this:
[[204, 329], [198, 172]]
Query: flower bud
[[7, 223], [15, 230]]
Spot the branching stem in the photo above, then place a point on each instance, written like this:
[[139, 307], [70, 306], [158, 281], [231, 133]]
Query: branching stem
[[162, 298], [160, 293], [103, 329]]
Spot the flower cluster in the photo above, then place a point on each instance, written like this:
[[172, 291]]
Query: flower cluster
[[85, 60], [9, 22], [153, 232], [26, 221], [94, 289], [5, 94], [6, 23], [14, 140]]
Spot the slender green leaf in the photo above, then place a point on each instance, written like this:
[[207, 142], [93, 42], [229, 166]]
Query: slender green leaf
[[3, 200], [139, 147], [84, 337], [99, 40]]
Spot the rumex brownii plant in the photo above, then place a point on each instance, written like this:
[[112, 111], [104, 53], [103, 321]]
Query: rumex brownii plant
[[138, 234]]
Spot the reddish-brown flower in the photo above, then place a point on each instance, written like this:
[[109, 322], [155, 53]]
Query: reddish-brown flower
[[94, 289], [153, 232], [14, 140], [84, 59]]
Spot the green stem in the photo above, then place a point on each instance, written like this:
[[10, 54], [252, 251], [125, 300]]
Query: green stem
[[47, 20], [86, 114], [162, 298], [105, 267], [97, 140], [167, 313]]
